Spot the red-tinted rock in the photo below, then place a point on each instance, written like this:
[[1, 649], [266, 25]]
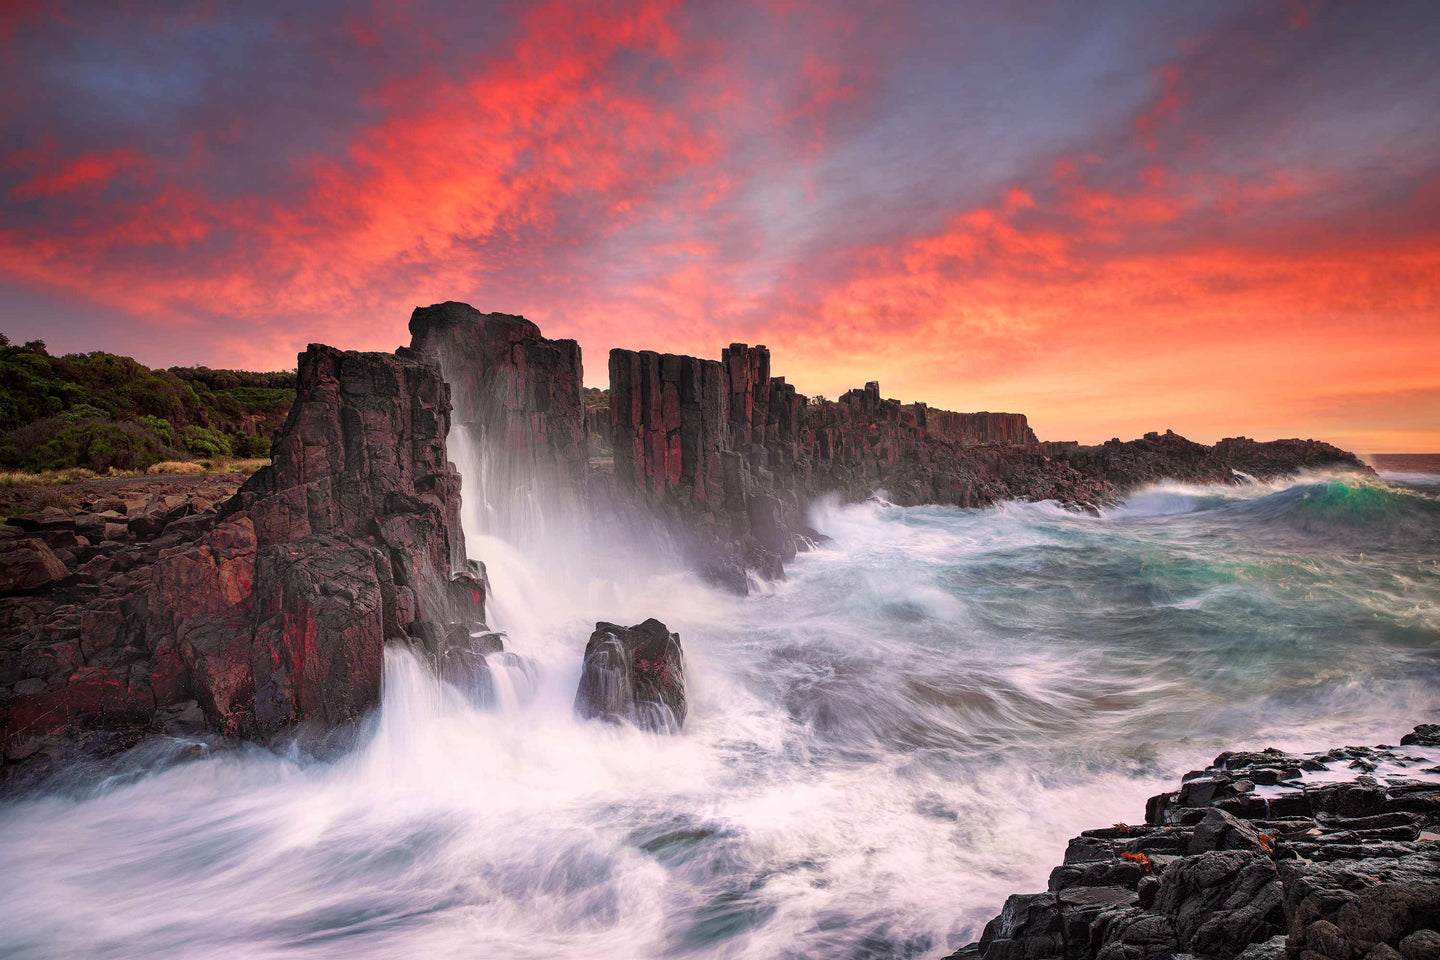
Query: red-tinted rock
[[634, 674], [29, 565], [272, 611]]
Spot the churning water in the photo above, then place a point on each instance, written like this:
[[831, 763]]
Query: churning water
[[879, 750]]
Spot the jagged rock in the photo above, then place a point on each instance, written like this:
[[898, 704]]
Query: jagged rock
[[634, 674], [1221, 831], [29, 565], [1334, 871], [273, 610], [1221, 901], [1424, 735], [512, 387]]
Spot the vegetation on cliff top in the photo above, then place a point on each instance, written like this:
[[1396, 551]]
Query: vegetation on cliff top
[[101, 411]]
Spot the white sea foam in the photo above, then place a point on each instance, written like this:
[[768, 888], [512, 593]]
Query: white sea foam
[[879, 749]]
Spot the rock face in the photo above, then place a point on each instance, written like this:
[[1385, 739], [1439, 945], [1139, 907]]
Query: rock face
[[733, 455], [518, 393], [1320, 869], [634, 674], [736, 455], [271, 610]]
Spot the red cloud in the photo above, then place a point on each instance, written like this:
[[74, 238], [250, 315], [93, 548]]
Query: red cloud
[[89, 172]]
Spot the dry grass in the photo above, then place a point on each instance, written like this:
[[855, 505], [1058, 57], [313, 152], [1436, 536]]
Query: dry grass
[[248, 466], [177, 466], [197, 467], [13, 479], [44, 478]]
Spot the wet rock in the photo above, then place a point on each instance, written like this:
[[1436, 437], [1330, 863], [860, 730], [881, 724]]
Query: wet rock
[[1221, 831], [634, 674], [1332, 871], [465, 663], [1222, 900], [1424, 735]]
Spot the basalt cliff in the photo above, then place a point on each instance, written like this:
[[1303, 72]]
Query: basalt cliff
[[264, 611]]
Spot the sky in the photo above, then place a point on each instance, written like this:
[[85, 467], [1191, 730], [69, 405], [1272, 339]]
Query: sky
[[1220, 218]]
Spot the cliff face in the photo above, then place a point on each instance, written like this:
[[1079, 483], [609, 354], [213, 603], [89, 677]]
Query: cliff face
[[736, 454], [272, 609], [516, 392], [358, 533]]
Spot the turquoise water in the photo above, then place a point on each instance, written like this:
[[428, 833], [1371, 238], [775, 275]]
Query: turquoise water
[[880, 749]]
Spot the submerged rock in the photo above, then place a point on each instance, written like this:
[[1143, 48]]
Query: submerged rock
[[634, 674]]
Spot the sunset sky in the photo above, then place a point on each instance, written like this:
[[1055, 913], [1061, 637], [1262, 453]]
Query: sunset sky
[[1214, 217]]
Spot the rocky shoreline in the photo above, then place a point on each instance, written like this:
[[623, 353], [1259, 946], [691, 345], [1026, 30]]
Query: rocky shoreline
[[1263, 855], [268, 612]]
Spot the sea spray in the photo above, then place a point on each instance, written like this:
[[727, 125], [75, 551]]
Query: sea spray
[[879, 749]]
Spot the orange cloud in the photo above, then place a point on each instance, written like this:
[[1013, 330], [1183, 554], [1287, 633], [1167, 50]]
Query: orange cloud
[[652, 174], [1056, 310]]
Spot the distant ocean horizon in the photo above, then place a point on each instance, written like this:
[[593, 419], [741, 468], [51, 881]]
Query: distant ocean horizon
[[1419, 471]]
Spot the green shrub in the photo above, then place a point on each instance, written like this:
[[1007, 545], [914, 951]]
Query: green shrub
[[205, 442], [161, 427], [248, 447], [84, 411], [102, 445], [210, 413]]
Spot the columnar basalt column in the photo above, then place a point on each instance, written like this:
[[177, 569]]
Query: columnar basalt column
[[519, 392]]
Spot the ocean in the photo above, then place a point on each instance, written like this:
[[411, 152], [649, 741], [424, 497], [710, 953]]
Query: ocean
[[879, 749]]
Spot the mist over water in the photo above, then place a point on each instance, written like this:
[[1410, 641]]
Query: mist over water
[[879, 749]]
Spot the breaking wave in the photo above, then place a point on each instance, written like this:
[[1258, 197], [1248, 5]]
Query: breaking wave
[[880, 748]]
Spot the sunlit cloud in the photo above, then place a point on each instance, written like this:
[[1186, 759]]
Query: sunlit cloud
[[1189, 219]]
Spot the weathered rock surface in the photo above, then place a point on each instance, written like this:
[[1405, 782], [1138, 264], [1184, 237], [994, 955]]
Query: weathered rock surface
[[634, 674], [29, 565], [1314, 870], [732, 454], [271, 610], [511, 387]]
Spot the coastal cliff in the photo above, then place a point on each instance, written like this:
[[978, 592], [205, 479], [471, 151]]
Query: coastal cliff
[[262, 612], [270, 610], [734, 456]]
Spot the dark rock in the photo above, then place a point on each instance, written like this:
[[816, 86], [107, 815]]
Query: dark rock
[[1421, 945], [512, 387], [29, 565], [1334, 871], [634, 674], [1221, 901], [1221, 831], [1424, 735]]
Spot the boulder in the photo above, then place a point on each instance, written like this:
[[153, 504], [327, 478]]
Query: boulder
[[1424, 735], [29, 565], [634, 674]]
